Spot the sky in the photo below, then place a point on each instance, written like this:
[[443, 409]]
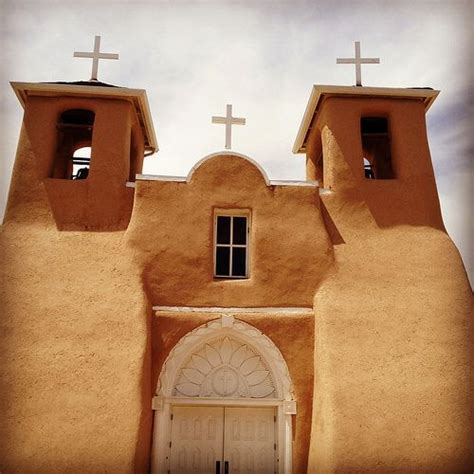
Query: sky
[[194, 57]]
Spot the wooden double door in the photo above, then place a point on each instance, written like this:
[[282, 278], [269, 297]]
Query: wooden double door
[[223, 440]]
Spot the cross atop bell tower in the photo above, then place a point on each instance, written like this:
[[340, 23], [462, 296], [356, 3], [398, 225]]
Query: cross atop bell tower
[[358, 61], [95, 56]]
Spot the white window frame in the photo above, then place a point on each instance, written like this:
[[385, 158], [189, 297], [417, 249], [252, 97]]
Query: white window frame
[[232, 213]]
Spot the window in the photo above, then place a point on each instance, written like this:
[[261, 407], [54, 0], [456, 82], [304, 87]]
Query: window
[[376, 148], [231, 237], [75, 129]]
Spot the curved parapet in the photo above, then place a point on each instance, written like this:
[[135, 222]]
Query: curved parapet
[[284, 225], [210, 160]]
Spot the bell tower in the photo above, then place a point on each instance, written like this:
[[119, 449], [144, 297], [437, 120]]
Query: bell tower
[[370, 143], [113, 124]]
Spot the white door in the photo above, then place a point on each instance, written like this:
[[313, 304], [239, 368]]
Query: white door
[[249, 440], [196, 440], [217, 440]]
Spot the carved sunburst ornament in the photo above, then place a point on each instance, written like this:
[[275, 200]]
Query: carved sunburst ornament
[[225, 368]]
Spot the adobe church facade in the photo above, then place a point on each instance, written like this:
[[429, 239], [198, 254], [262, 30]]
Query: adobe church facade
[[223, 322]]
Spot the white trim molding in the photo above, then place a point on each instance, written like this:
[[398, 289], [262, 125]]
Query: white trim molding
[[319, 92], [230, 310], [137, 97], [158, 177], [268, 182]]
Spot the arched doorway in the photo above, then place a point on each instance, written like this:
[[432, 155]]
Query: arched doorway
[[224, 400]]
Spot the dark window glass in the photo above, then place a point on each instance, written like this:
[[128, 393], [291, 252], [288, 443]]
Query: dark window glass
[[222, 261], [238, 261], [240, 230], [223, 230]]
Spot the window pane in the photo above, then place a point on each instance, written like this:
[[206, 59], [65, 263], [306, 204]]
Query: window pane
[[238, 261], [222, 261], [240, 230], [223, 229]]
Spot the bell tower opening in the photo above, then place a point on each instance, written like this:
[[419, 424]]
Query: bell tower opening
[[135, 162], [314, 158], [81, 160], [376, 148], [74, 132]]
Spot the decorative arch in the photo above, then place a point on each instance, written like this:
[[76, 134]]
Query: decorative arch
[[225, 358], [228, 153], [225, 362]]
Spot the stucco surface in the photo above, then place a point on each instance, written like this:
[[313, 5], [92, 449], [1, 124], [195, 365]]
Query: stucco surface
[[390, 344], [172, 230], [393, 383], [74, 346], [297, 351], [393, 329]]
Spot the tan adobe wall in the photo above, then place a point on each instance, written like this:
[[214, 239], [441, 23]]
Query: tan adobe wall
[[74, 333], [393, 357], [76, 317], [393, 329], [74, 353], [172, 230]]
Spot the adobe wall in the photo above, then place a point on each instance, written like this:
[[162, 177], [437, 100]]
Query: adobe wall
[[392, 332], [297, 350], [393, 328], [75, 348], [74, 374], [172, 230], [76, 316], [394, 338]]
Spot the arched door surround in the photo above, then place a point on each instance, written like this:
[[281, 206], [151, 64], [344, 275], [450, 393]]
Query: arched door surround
[[225, 362]]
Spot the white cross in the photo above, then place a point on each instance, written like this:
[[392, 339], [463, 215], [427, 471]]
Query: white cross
[[95, 55], [228, 120], [358, 61]]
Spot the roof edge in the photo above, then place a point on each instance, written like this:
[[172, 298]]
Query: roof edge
[[319, 91], [23, 89]]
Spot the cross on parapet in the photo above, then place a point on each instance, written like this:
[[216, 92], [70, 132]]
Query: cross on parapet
[[95, 56], [358, 61], [228, 120]]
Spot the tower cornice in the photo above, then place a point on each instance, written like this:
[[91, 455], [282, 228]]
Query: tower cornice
[[137, 97], [320, 92]]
